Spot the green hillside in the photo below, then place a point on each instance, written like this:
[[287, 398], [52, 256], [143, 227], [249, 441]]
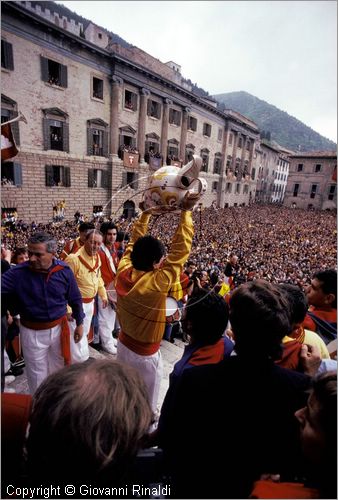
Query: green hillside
[[284, 129]]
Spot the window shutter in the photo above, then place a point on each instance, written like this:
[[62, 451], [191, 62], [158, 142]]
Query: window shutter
[[44, 69], [63, 76], [124, 179], [8, 59], [133, 142], [16, 134], [65, 130], [90, 141], [171, 111], [159, 109], [66, 176], [49, 175], [134, 101], [17, 174], [120, 140], [148, 107], [46, 133], [105, 143], [135, 181], [104, 179], [90, 177], [178, 118]]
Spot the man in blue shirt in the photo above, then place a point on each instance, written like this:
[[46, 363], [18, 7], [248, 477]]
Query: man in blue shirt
[[39, 290]]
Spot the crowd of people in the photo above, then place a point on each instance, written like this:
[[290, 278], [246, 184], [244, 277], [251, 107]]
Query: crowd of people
[[273, 243], [256, 299]]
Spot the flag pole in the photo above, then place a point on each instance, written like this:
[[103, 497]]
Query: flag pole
[[18, 118]]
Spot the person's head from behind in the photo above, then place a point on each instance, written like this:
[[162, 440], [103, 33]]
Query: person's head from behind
[[148, 252], [298, 305], [318, 431], [322, 292], [41, 250], [83, 228], [259, 319], [88, 421], [205, 317]]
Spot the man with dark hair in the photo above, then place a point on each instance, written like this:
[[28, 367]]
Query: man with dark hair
[[109, 265], [72, 246], [322, 299], [143, 281], [85, 264], [87, 436], [231, 421], [40, 290]]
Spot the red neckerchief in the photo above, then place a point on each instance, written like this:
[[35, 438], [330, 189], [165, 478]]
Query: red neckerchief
[[90, 269], [55, 269]]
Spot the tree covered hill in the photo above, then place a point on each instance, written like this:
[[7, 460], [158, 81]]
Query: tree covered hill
[[279, 125]]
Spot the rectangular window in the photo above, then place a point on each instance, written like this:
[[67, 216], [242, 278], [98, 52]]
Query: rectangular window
[[172, 151], [300, 167], [217, 165], [230, 139], [154, 109], [205, 162], [207, 129], [56, 135], [130, 100], [97, 142], [220, 134], [174, 117], [192, 123], [295, 190], [7, 55], [228, 187], [253, 173], [11, 174], [248, 145], [57, 176], [130, 179], [97, 178], [97, 88], [313, 191], [214, 187], [246, 189], [318, 168], [238, 188], [332, 191], [53, 72]]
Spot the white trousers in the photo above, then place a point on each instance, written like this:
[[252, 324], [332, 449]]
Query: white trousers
[[42, 353], [80, 351], [106, 321], [149, 367]]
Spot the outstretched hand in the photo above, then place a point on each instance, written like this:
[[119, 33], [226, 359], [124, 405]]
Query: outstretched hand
[[189, 200]]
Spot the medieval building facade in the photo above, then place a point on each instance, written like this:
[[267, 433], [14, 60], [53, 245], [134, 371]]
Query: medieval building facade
[[98, 113]]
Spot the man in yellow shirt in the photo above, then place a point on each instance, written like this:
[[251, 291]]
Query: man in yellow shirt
[[144, 278], [85, 264]]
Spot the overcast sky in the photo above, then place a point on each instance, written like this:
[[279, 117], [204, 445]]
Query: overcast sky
[[284, 52]]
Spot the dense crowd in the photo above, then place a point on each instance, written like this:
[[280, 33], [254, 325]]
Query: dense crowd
[[274, 243]]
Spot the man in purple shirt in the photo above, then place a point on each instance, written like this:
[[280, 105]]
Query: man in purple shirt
[[39, 290]]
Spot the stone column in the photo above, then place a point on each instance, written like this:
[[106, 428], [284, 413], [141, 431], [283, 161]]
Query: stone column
[[114, 116], [252, 148], [142, 122], [234, 150], [164, 131], [222, 177], [184, 129], [244, 138]]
